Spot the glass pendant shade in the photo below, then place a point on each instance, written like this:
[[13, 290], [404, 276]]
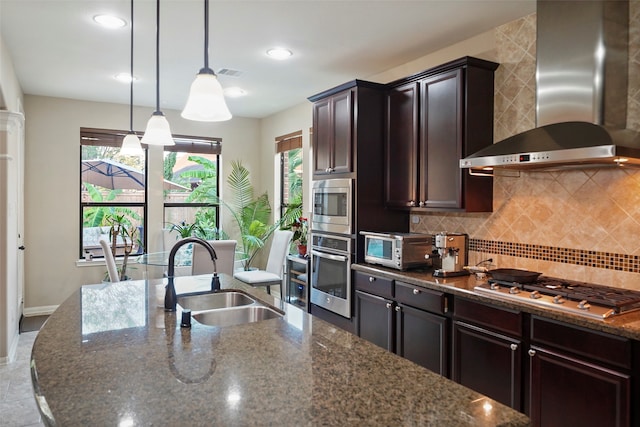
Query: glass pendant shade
[[206, 101], [131, 145], [158, 131]]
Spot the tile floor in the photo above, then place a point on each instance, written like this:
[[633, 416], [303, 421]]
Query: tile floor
[[17, 404]]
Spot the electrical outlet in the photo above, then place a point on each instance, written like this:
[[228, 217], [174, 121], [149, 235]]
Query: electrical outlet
[[415, 219]]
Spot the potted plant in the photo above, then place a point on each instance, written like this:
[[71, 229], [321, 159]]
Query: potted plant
[[121, 226], [300, 230], [251, 213]]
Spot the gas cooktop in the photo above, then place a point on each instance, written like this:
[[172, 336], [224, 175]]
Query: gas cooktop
[[584, 299]]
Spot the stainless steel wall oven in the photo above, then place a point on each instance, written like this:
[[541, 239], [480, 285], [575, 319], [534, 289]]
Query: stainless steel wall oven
[[332, 206], [331, 272]]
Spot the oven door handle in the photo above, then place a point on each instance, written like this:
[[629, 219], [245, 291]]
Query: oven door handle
[[341, 258]]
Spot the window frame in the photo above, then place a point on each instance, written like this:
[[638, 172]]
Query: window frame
[[284, 144], [196, 145], [109, 138]]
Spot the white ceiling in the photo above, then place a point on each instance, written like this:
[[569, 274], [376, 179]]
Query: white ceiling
[[59, 51]]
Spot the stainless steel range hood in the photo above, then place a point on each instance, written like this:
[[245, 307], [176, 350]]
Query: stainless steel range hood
[[581, 102]]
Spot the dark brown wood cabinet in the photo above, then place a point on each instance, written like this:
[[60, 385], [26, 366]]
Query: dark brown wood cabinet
[[578, 377], [487, 351], [394, 316], [333, 134], [434, 119]]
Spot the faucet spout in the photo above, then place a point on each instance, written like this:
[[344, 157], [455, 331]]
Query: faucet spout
[[170, 298]]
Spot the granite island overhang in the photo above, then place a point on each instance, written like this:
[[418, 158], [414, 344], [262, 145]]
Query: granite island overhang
[[110, 356]]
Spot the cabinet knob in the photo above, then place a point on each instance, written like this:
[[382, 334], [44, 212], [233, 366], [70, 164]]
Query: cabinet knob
[[412, 203], [421, 204], [388, 305], [372, 279], [416, 291], [398, 308], [514, 347], [532, 352]]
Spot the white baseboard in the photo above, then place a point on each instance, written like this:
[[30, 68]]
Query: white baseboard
[[44, 310], [13, 350]]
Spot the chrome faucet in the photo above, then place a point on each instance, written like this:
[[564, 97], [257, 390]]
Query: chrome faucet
[[170, 298]]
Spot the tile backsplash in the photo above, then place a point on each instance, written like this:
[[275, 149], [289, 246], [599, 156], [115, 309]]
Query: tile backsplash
[[578, 224]]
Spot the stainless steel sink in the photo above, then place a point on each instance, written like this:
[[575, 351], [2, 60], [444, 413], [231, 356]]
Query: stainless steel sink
[[214, 301], [236, 315]]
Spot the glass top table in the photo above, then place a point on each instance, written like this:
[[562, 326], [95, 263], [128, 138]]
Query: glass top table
[[183, 258]]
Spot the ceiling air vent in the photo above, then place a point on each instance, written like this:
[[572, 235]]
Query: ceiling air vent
[[229, 72]]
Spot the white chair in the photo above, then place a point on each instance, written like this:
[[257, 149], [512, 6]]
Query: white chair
[[110, 261], [225, 253], [170, 238], [272, 275]]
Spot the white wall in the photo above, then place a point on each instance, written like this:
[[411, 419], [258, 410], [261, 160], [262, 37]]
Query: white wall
[[52, 187]]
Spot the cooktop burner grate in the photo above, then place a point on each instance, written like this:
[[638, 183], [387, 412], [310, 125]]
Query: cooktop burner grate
[[620, 300]]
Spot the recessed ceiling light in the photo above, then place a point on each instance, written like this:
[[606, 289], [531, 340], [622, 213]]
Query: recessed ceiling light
[[125, 77], [279, 53], [110, 21], [234, 92]]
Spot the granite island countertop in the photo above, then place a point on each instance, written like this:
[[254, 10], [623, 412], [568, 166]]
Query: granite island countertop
[[626, 325], [110, 356]]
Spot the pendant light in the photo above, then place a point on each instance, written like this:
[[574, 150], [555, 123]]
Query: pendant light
[[131, 143], [158, 131], [206, 101]]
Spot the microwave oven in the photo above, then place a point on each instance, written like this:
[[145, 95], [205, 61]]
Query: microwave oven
[[332, 205], [401, 251]]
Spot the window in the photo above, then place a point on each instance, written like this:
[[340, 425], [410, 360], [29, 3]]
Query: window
[[112, 187], [193, 165], [290, 149]]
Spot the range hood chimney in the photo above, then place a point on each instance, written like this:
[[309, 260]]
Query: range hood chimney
[[581, 93]]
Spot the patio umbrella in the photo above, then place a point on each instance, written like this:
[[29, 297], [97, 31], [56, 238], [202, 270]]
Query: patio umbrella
[[113, 175]]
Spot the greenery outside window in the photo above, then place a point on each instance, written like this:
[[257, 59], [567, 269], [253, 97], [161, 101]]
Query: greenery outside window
[[193, 164], [290, 148]]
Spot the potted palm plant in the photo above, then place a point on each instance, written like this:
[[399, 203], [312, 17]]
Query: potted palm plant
[[250, 213]]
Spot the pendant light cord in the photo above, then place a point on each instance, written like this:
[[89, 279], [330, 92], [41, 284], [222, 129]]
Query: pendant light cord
[[206, 34], [157, 55], [131, 76]]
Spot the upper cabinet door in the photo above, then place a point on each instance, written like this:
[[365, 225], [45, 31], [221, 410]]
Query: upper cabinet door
[[322, 136], [440, 175], [342, 132], [401, 148], [333, 134]]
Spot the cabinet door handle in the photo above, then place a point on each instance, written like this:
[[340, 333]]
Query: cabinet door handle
[[372, 279], [514, 347], [388, 305], [421, 204], [412, 203], [532, 352], [416, 291], [398, 308]]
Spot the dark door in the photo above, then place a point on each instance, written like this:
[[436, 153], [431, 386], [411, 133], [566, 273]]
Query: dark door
[[441, 141], [488, 363], [422, 337], [570, 392], [322, 137], [342, 132], [401, 152], [374, 319]]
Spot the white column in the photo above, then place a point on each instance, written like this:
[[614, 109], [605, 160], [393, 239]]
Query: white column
[[11, 231]]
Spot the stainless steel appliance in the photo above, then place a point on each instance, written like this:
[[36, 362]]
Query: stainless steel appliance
[[331, 273], [332, 206], [579, 298], [453, 249], [398, 250], [582, 74]]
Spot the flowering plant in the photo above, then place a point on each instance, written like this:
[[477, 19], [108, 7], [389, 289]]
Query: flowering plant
[[300, 230]]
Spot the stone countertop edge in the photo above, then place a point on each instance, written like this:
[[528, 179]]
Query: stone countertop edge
[[98, 361], [626, 325]]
